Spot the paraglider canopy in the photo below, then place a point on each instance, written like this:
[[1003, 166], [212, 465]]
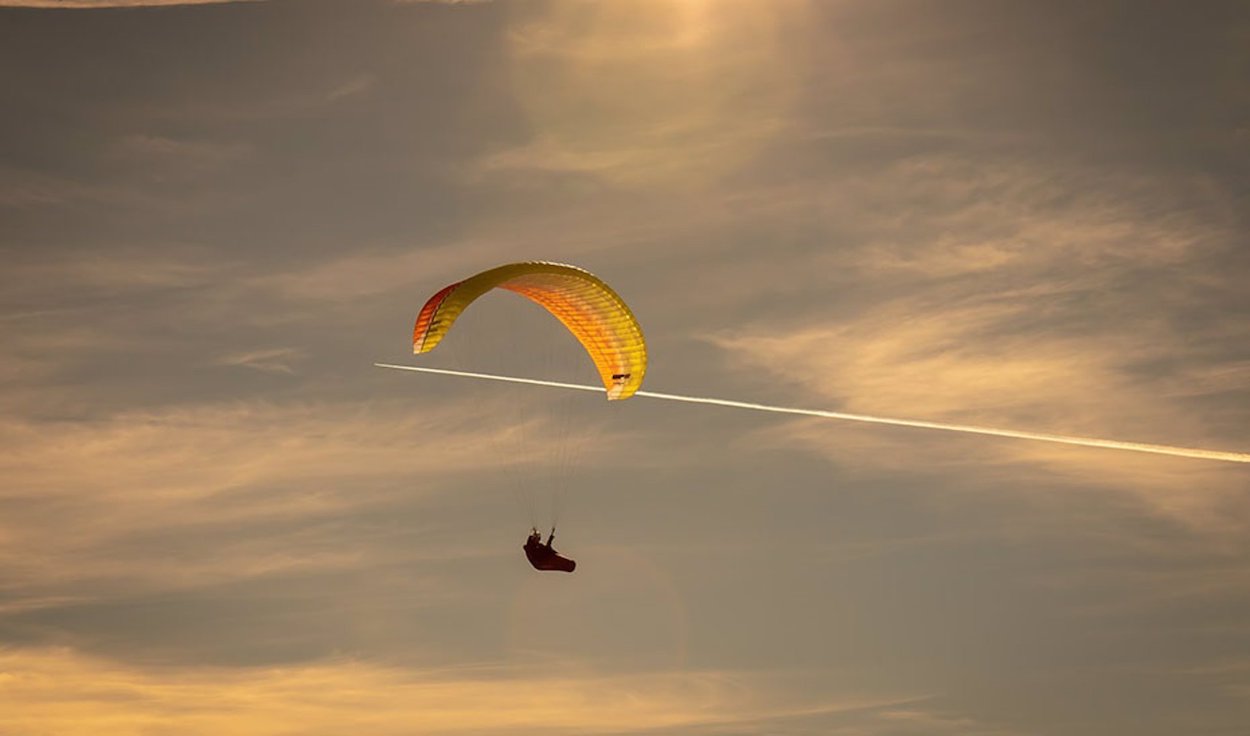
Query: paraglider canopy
[[589, 308]]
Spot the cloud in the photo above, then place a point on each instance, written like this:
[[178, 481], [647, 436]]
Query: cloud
[[88, 4], [168, 161], [141, 173], [60, 691], [185, 151], [647, 94], [87, 500], [917, 721], [442, 2], [1007, 294], [359, 275], [24, 189], [578, 237], [965, 365], [68, 309], [272, 360], [116, 271], [357, 85]]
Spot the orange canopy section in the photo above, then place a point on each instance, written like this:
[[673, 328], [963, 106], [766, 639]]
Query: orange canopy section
[[588, 307]]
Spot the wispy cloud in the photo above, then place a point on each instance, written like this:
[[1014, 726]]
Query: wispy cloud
[[240, 466], [999, 299], [88, 4], [59, 691], [357, 85], [31, 189], [918, 721], [960, 365], [646, 94], [358, 275], [165, 160], [271, 360], [122, 270]]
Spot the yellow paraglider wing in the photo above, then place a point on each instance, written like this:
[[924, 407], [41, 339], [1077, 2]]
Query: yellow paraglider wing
[[588, 307]]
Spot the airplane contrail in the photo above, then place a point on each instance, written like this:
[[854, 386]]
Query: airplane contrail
[[1189, 452]]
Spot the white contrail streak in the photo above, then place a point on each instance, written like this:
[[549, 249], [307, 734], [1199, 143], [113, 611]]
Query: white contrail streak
[[1228, 457]]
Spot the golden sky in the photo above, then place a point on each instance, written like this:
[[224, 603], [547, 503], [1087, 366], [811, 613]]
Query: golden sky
[[217, 517]]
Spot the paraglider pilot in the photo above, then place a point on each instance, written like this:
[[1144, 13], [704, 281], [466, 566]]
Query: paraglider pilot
[[543, 556]]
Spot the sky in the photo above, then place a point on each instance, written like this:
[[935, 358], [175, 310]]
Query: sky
[[218, 517]]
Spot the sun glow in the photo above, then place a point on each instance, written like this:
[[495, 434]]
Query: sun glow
[[647, 93]]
